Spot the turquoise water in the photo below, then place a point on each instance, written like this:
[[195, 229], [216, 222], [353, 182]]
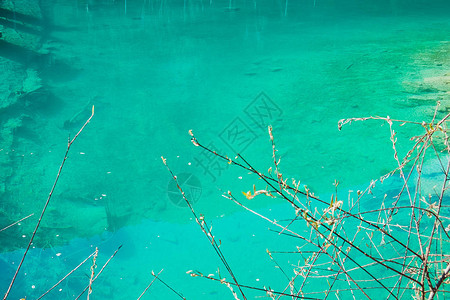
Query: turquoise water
[[225, 69]]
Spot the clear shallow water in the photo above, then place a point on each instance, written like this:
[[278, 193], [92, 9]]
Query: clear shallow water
[[155, 69]]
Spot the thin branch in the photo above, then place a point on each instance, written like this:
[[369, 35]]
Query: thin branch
[[148, 286], [100, 272], [68, 274], [69, 144], [207, 231], [11, 225]]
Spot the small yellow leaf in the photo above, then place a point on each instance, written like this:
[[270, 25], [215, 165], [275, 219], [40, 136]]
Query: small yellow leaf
[[248, 195]]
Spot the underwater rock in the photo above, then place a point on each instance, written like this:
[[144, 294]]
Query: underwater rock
[[428, 90], [432, 81], [11, 79], [32, 81], [6, 147], [433, 84], [24, 23], [439, 82], [418, 88]]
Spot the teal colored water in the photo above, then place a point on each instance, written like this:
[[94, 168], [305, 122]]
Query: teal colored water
[[226, 70]]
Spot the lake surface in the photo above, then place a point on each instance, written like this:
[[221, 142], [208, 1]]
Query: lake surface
[[226, 70]]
